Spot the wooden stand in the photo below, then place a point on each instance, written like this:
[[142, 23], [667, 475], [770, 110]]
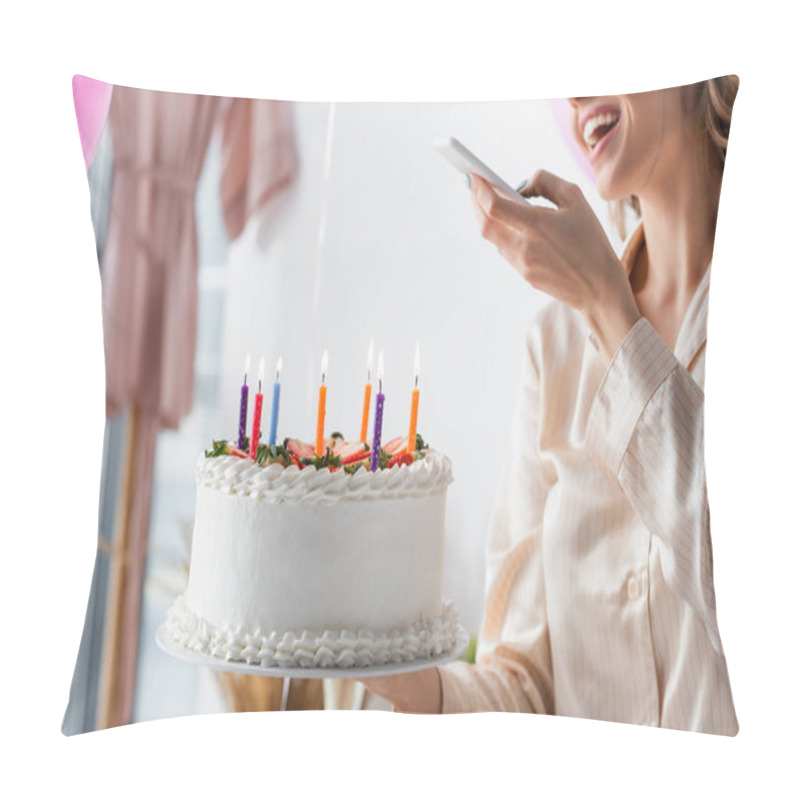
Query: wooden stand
[[107, 707]]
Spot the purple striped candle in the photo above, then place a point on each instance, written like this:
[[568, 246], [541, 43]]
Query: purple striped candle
[[243, 406], [377, 426]]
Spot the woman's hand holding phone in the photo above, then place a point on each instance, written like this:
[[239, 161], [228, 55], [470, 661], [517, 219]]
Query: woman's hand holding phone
[[467, 163], [563, 251]]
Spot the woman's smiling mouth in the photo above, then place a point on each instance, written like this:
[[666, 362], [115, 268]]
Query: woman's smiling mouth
[[597, 126]]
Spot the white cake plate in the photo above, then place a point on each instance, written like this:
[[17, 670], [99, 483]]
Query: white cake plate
[[172, 648]]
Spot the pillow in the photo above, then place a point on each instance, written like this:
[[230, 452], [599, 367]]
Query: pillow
[[528, 354]]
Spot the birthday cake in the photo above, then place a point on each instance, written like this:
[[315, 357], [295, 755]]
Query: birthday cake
[[320, 562]]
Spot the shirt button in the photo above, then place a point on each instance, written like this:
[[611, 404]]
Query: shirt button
[[633, 588]]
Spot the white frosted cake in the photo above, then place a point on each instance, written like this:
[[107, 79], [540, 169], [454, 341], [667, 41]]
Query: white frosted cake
[[301, 566]]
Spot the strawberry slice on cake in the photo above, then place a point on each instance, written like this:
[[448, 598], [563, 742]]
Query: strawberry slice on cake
[[401, 458], [299, 450], [350, 452], [397, 445]]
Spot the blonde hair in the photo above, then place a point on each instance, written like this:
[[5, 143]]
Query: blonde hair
[[711, 103]]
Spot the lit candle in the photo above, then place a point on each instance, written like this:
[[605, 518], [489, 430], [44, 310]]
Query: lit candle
[[367, 392], [321, 407], [375, 460], [243, 405], [255, 436], [276, 402], [412, 425]]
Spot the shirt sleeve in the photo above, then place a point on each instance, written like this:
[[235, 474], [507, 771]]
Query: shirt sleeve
[[513, 670], [646, 430]]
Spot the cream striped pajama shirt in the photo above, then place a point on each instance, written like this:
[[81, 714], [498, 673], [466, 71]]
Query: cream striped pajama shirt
[[599, 591]]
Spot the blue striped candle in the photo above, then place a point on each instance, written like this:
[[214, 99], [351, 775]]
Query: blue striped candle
[[276, 403]]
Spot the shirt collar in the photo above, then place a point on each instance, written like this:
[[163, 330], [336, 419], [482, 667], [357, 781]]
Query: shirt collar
[[694, 328], [632, 247]]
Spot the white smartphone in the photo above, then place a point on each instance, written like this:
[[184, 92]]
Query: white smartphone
[[465, 161]]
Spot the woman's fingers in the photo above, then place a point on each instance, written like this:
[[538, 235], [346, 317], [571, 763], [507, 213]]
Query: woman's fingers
[[499, 208], [494, 226], [526, 187], [551, 187]]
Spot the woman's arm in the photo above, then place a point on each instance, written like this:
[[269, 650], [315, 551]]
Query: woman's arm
[[646, 424], [513, 669], [646, 430]]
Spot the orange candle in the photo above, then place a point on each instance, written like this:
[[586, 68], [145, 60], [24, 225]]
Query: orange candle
[[412, 425], [367, 393], [321, 408]]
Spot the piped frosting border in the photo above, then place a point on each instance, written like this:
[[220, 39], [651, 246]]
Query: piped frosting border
[[278, 484], [425, 638]]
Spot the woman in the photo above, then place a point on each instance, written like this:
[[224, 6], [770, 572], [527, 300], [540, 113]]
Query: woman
[[599, 594]]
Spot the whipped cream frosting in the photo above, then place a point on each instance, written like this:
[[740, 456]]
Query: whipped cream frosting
[[327, 570], [423, 639], [275, 483]]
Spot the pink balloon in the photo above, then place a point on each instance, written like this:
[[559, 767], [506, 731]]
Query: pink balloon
[[562, 111], [92, 99]]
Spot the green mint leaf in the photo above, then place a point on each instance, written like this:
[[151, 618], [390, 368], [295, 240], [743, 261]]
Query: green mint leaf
[[219, 447]]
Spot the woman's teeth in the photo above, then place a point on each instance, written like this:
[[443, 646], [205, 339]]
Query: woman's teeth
[[597, 127]]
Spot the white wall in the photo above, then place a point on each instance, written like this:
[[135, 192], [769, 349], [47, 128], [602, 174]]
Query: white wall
[[384, 243]]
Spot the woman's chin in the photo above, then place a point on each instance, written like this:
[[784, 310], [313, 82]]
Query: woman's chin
[[607, 193], [608, 188]]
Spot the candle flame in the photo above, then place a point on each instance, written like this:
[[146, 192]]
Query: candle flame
[[261, 368], [324, 364], [278, 370], [370, 354], [416, 365], [380, 370]]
